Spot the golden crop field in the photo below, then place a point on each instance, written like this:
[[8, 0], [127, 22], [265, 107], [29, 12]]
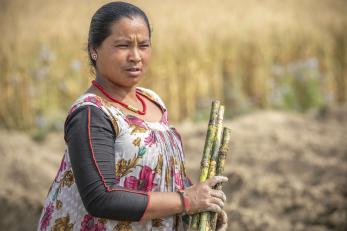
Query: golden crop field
[[290, 55]]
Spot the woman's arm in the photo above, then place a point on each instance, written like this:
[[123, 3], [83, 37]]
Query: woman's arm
[[163, 204], [90, 138]]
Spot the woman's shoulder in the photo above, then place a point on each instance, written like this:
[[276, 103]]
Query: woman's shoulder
[[90, 99], [87, 99], [95, 101]]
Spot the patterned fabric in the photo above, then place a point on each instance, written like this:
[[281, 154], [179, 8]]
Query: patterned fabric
[[148, 157]]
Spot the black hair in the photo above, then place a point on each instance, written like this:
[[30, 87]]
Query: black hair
[[105, 17]]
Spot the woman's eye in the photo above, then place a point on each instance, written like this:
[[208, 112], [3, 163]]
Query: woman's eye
[[144, 45], [122, 46]]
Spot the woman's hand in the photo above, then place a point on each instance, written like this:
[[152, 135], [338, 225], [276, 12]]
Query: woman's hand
[[202, 197], [222, 221]]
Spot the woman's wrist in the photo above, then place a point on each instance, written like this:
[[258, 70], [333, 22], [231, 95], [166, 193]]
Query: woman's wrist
[[163, 204], [184, 200]]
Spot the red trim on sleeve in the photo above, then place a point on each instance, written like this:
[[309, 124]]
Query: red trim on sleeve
[[98, 169], [148, 200]]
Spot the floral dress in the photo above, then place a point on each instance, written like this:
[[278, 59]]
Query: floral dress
[[148, 157]]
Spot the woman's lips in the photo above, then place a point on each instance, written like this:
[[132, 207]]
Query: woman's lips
[[133, 71]]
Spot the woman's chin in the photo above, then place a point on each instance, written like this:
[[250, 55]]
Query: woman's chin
[[132, 81]]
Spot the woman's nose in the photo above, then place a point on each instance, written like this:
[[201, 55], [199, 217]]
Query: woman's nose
[[135, 55]]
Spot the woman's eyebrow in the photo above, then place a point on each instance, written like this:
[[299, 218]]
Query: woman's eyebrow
[[129, 41], [144, 41], [121, 40]]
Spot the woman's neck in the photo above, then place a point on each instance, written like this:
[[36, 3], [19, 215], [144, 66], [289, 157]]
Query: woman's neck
[[116, 91]]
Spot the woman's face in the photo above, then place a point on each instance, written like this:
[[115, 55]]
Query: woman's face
[[123, 56]]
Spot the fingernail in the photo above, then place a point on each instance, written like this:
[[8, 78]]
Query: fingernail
[[223, 178]]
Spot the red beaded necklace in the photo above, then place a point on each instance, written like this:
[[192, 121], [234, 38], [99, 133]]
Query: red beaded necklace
[[129, 107]]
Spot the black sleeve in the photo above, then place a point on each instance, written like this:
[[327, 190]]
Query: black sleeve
[[90, 138]]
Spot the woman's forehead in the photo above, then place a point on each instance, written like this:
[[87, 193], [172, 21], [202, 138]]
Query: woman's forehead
[[129, 27]]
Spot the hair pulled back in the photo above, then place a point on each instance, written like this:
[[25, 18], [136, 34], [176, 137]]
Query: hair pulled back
[[105, 17]]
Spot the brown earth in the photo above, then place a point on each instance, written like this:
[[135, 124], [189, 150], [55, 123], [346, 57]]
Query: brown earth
[[286, 171]]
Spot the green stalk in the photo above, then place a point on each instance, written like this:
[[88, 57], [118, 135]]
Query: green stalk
[[205, 161], [220, 168], [204, 217]]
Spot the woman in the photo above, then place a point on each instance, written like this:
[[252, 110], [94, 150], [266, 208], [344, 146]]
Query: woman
[[123, 168]]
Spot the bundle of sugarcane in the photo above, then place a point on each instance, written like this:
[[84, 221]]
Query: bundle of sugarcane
[[212, 162]]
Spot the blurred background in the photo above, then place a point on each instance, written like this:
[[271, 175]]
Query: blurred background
[[280, 68]]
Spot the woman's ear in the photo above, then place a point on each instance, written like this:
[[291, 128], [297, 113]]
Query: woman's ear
[[93, 53]]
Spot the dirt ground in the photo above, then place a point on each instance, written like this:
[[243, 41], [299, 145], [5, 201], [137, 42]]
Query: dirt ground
[[286, 171]]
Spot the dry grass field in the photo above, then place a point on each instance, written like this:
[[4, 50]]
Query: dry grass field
[[251, 54]]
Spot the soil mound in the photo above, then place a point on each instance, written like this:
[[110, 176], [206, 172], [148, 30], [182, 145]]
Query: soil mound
[[286, 171]]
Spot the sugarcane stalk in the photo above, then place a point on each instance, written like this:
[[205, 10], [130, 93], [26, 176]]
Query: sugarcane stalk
[[220, 168], [204, 217], [211, 131], [209, 142]]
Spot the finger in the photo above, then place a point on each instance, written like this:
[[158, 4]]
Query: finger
[[213, 208], [219, 194], [224, 217], [217, 201], [222, 222], [215, 180]]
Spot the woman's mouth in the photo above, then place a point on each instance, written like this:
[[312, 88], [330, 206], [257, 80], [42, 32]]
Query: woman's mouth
[[133, 71]]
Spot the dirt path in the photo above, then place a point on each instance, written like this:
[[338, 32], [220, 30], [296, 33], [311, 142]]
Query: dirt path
[[286, 171]]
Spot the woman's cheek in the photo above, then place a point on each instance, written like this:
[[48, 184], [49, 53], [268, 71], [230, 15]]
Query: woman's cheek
[[146, 57]]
